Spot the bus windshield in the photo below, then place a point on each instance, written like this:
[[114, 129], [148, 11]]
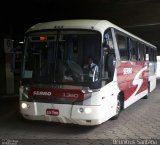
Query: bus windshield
[[62, 56]]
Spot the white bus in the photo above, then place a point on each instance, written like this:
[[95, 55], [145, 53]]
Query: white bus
[[57, 86]]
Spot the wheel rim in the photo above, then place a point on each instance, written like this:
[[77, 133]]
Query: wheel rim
[[118, 107]]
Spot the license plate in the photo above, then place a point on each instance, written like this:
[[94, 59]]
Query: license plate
[[53, 112]]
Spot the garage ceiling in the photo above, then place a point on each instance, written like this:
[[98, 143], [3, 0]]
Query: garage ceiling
[[141, 17]]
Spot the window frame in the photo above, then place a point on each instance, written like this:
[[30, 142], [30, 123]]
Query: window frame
[[127, 57]]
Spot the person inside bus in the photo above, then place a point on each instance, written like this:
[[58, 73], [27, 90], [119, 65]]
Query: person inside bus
[[92, 69]]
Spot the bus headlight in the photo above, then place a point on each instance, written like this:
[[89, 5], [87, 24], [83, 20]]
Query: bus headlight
[[87, 110], [24, 106]]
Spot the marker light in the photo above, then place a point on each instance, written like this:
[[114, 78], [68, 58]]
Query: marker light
[[43, 38]]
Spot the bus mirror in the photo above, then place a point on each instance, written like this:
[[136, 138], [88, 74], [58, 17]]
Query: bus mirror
[[105, 47]]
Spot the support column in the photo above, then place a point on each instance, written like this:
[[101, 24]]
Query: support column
[[8, 49]]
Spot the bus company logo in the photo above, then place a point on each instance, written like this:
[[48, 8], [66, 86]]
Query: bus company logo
[[127, 71], [69, 95], [42, 93]]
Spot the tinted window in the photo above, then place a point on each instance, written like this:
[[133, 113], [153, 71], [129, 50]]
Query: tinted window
[[133, 50], [141, 52], [153, 55], [122, 46], [108, 39]]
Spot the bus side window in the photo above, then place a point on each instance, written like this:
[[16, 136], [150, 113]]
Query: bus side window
[[155, 56], [108, 40], [109, 56], [141, 52], [144, 52], [133, 50], [152, 55], [122, 46], [147, 53]]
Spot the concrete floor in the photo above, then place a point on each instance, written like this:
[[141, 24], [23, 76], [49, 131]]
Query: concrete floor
[[139, 121]]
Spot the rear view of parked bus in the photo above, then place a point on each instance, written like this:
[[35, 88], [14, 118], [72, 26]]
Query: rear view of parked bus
[[58, 85]]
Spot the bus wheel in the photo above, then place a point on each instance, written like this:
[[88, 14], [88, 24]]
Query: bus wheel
[[118, 108]]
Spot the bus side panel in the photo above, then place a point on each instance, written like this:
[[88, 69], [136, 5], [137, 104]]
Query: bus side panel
[[109, 94], [132, 79], [152, 83], [105, 99], [152, 76]]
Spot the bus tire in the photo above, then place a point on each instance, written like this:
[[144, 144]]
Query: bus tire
[[118, 107]]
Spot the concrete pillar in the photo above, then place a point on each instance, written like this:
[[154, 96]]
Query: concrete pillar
[[6, 72], [2, 68], [8, 47]]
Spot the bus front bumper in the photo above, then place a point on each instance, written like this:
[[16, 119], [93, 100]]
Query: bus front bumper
[[75, 114]]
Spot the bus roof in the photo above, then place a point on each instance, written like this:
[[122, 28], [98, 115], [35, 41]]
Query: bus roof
[[99, 25]]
